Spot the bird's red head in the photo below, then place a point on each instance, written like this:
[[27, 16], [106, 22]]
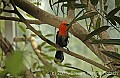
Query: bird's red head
[[63, 29]]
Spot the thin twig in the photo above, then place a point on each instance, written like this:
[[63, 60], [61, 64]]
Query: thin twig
[[36, 32], [74, 54], [19, 20], [8, 11], [74, 19]]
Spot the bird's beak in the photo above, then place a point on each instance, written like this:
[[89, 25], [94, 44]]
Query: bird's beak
[[67, 24]]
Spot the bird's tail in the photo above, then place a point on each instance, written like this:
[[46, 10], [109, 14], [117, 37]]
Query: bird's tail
[[59, 56]]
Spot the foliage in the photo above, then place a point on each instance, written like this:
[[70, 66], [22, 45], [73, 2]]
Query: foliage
[[14, 63], [38, 69], [96, 32]]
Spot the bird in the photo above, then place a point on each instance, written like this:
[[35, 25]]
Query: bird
[[61, 40]]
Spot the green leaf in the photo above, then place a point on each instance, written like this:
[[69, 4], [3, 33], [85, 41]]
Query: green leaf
[[62, 7], [1, 10], [76, 69], [37, 3], [117, 3], [103, 74], [111, 54], [114, 11], [40, 33], [48, 69], [14, 63], [30, 16], [3, 74], [38, 74], [87, 15], [22, 28], [42, 44], [105, 8], [112, 20], [96, 32], [98, 23], [94, 2], [107, 41], [50, 2], [110, 76], [44, 70], [34, 66], [76, 5], [49, 35], [67, 64], [60, 1], [47, 56], [74, 19], [80, 5], [98, 74], [73, 71], [48, 46], [117, 19], [52, 49]]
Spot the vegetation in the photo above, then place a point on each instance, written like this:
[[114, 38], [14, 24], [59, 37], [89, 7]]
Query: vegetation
[[95, 35]]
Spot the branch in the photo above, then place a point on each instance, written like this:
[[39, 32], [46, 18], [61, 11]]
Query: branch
[[6, 46], [9, 11], [70, 53], [103, 35], [71, 10], [38, 13], [77, 30], [28, 73], [58, 47], [33, 43], [8, 50], [19, 20], [38, 53]]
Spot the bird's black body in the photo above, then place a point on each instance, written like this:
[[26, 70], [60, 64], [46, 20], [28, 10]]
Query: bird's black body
[[62, 41]]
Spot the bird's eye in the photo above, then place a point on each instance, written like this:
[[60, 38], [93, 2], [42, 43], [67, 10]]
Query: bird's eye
[[67, 24]]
